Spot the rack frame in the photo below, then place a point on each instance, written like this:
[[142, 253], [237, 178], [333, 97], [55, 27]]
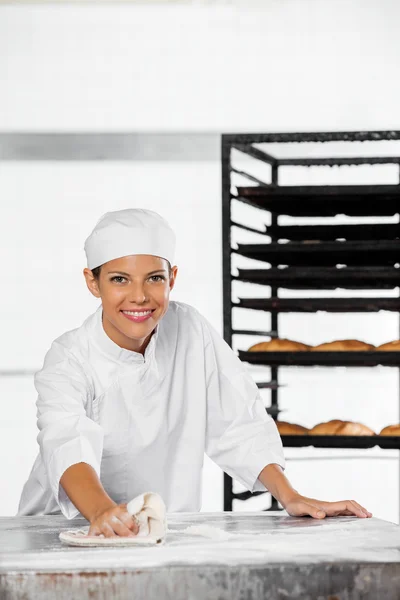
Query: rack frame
[[244, 142]]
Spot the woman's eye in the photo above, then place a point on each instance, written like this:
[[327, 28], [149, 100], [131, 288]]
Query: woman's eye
[[155, 278]]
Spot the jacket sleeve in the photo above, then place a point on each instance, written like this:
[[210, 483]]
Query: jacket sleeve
[[241, 437], [66, 434]]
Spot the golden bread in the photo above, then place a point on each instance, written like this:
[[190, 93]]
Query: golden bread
[[285, 428], [343, 346], [279, 345], [328, 428], [338, 427], [350, 428], [390, 346], [391, 430]]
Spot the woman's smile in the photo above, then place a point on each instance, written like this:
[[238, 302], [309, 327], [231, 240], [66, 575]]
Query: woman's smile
[[138, 316]]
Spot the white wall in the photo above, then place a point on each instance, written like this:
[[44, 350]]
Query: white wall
[[327, 65], [314, 65]]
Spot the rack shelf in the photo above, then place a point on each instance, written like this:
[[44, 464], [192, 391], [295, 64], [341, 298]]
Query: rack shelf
[[268, 385], [385, 231], [310, 305], [324, 201], [253, 332], [328, 278], [342, 441], [327, 254], [316, 254], [368, 358]]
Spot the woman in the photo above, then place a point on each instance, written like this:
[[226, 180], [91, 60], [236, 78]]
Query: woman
[[129, 401]]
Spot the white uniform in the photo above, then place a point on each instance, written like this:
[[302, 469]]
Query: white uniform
[[144, 422]]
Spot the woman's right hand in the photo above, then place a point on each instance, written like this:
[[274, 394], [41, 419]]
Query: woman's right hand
[[114, 522]]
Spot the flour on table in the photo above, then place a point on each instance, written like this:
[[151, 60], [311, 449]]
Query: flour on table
[[208, 531]]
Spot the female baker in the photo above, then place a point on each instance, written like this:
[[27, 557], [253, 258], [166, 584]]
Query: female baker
[[129, 401]]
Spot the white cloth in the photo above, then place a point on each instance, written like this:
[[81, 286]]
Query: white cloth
[[129, 231], [148, 509], [144, 422]]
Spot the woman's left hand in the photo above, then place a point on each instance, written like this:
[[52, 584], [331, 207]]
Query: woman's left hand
[[300, 506]]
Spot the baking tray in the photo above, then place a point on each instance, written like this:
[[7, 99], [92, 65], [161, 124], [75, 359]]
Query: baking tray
[[364, 231], [310, 305], [323, 278], [317, 254], [324, 201], [341, 441], [366, 358]]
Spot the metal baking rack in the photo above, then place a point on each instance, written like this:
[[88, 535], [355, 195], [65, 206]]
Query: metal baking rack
[[323, 256]]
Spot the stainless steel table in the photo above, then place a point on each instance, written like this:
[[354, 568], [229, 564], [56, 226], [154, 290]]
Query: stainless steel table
[[269, 555]]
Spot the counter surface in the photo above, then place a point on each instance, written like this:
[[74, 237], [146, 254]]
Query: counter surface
[[342, 557]]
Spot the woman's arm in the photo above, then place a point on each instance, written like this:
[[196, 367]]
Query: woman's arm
[[67, 436], [83, 487], [296, 505], [240, 436], [273, 478]]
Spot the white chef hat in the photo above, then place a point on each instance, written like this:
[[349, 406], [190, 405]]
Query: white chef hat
[[129, 231]]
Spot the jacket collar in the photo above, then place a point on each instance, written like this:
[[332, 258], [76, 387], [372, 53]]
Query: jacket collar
[[114, 351]]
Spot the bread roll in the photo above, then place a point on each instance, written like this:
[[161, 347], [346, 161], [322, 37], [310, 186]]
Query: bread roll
[[390, 346], [279, 345], [328, 428], [342, 346], [338, 427], [391, 430], [285, 428], [350, 428]]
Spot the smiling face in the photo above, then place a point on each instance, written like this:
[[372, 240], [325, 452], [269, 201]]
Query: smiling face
[[134, 292]]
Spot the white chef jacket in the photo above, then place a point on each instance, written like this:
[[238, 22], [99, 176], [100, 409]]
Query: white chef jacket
[[144, 422]]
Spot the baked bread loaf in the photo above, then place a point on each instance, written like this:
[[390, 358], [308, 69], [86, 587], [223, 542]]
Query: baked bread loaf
[[390, 346], [391, 430], [285, 428], [338, 427], [279, 345], [350, 428], [343, 346], [328, 428]]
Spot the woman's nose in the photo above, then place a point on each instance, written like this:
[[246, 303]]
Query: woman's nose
[[138, 295]]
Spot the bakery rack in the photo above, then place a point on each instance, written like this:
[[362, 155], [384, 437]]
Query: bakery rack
[[321, 256]]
